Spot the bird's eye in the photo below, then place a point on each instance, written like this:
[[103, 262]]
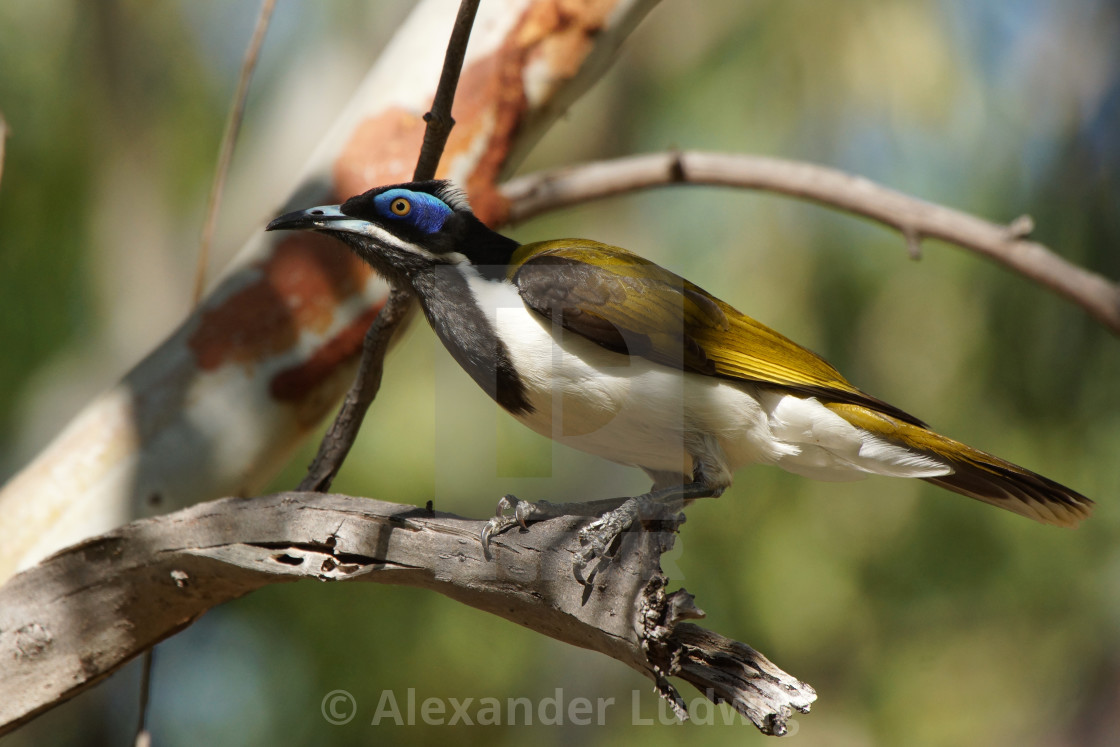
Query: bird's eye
[[400, 206]]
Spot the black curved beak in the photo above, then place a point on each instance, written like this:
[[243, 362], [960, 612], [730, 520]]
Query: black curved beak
[[316, 218]]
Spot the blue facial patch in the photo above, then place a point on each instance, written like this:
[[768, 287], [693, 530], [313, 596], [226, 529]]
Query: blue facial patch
[[420, 209]]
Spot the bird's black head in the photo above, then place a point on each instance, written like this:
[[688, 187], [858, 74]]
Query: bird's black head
[[403, 229]]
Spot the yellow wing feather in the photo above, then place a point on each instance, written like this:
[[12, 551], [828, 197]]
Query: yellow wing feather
[[679, 318], [657, 300]]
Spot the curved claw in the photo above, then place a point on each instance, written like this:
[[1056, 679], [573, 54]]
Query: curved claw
[[578, 564], [522, 511], [500, 522], [488, 531], [507, 501]]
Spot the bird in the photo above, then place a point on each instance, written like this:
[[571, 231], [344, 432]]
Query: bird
[[607, 352]]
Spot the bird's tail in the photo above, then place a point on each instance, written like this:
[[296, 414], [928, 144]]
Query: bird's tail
[[978, 474], [992, 480]]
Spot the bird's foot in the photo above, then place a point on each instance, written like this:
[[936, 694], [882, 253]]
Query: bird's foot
[[597, 537], [613, 517], [523, 513]]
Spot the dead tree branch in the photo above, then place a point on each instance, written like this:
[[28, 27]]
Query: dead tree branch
[[916, 219], [82, 613]]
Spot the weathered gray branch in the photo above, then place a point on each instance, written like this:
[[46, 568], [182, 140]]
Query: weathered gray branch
[[916, 219], [82, 613]]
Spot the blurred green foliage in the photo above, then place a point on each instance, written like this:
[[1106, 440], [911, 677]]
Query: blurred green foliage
[[921, 618]]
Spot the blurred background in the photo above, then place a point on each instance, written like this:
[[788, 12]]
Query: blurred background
[[920, 617]]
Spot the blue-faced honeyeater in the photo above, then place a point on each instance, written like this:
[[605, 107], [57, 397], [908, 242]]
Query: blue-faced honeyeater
[[614, 355]]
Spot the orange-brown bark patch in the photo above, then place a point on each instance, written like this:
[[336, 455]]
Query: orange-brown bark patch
[[299, 287], [294, 383], [490, 104], [492, 90]]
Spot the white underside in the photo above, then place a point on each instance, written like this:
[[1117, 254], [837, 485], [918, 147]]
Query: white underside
[[636, 412]]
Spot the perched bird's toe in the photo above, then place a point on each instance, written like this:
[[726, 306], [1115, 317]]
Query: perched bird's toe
[[596, 538], [523, 513]]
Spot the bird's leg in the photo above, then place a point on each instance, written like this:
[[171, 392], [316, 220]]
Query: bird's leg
[[525, 511], [669, 494], [597, 537]]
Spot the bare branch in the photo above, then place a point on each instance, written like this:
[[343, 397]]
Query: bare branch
[[915, 219], [396, 312], [439, 118], [229, 139], [85, 611]]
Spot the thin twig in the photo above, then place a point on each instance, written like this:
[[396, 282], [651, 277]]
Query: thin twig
[[916, 219], [398, 308], [229, 139], [439, 118], [3, 140], [143, 736]]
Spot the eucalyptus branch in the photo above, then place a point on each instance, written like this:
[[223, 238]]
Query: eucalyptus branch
[[399, 306], [79, 615], [916, 219]]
